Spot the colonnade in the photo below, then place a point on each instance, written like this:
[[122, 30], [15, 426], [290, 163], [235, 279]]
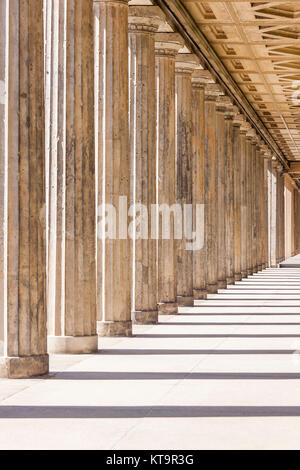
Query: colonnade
[[70, 181]]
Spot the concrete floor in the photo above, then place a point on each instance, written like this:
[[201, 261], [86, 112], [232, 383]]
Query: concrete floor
[[222, 375]]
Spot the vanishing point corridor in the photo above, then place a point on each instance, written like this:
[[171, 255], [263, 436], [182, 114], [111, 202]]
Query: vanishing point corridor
[[223, 374]]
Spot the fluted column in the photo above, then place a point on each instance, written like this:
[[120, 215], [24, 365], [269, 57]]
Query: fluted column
[[166, 47], [280, 214], [200, 79], [71, 160], [273, 214], [244, 206], [264, 199], [260, 206], [23, 337], [267, 158], [254, 206], [221, 195], [249, 186], [143, 23], [184, 67], [211, 189], [198, 175], [229, 199], [237, 199], [113, 168]]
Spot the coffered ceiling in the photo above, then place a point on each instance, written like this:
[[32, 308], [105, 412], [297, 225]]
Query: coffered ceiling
[[259, 44]]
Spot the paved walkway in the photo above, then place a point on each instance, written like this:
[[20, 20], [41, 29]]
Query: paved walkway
[[293, 262], [222, 375]]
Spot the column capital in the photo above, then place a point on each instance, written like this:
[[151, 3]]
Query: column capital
[[239, 119], [213, 91], [223, 102], [186, 63], [252, 135], [145, 18], [168, 44]]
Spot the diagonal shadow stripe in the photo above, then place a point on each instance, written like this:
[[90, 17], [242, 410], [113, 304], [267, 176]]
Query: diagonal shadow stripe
[[83, 375], [98, 412], [159, 352]]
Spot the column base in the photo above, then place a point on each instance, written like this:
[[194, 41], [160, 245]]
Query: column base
[[72, 344], [222, 284], [114, 328], [185, 301], [212, 288], [167, 308], [249, 272], [143, 317], [24, 367], [254, 269], [259, 267], [199, 294], [230, 281], [237, 276]]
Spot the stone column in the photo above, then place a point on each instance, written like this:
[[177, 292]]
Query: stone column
[[23, 337], [273, 215], [254, 205], [249, 185], [113, 168], [266, 159], [229, 201], [260, 206], [166, 48], [71, 163], [237, 199], [222, 283], [143, 23], [280, 214], [184, 67], [198, 176], [211, 187], [199, 79], [244, 206]]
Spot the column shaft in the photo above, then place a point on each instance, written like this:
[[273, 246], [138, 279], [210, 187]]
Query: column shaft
[[229, 200], [255, 211], [211, 193], [23, 343], [249, 185], [71, 164], [184, 187], [221, 197], [198, 175], [244, 207], [273, 215], [166, 170], [113, 168], [237, 201], [143, 165]]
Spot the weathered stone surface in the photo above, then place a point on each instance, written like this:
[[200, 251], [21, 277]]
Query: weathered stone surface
[[166, 47], [71, 164], [113, 163], [114, 328], [23, 337], [143, 23], [184, 187]]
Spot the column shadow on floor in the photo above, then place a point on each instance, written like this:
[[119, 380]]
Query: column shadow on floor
[[210, 335], [77, 375], [160, 352], [98, 412]]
